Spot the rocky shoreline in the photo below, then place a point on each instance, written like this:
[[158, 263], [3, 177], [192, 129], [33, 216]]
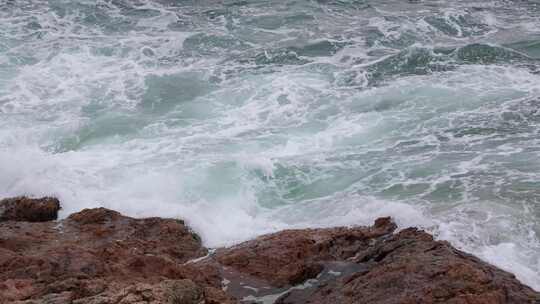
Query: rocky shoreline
[[98, 256]]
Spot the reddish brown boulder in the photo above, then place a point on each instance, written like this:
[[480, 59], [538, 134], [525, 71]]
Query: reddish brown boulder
[[410, 267], [368, 265], [96, 251], [98, 256], [290, 257], [182, 291], [27, 209]]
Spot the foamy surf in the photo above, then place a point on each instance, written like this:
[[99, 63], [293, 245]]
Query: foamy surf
[[248, 118]]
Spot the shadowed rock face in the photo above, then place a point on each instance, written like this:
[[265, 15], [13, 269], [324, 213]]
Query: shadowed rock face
[[99, 256]]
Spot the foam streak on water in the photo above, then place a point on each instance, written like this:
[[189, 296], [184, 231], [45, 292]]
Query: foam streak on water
[[246, 117]]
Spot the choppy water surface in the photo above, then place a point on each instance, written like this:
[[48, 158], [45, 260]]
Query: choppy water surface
[[246, 117]]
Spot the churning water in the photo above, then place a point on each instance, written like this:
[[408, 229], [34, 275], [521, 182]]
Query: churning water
[[249, 116]]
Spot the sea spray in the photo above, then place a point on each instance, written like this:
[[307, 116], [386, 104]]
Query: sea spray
[[249, 117]]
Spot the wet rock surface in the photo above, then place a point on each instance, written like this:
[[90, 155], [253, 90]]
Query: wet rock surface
[[410, 267], [292, 256], [99, 256]]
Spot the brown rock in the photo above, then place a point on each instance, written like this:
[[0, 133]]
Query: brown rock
[[84, 254], [292, 256], [184, 292], [98, 256], [29, 210], [410, 267], [214, 295], [168, 291]]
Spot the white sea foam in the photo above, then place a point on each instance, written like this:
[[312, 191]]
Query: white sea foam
[[122, 112]]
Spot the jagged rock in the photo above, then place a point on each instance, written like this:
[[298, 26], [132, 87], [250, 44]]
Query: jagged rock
[[98, 256], [87, 252], [370, 265], [410, 267], [27, 209], [290, 257], [182, 291]]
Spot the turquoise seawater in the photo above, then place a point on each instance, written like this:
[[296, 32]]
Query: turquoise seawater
[[245, 117]]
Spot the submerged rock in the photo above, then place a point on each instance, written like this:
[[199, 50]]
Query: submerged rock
[[100, 256]]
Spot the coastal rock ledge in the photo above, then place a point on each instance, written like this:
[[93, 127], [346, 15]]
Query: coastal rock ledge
[[98, 256]]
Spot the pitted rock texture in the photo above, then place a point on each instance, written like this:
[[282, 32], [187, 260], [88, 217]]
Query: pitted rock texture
[[29, 209], [96, 251], [98, 256], [410, 267], [290, 257]]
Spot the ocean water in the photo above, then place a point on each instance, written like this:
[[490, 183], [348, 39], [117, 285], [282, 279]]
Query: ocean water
[[245, 117]]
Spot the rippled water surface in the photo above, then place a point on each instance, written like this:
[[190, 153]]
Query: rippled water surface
[[245, 117]]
